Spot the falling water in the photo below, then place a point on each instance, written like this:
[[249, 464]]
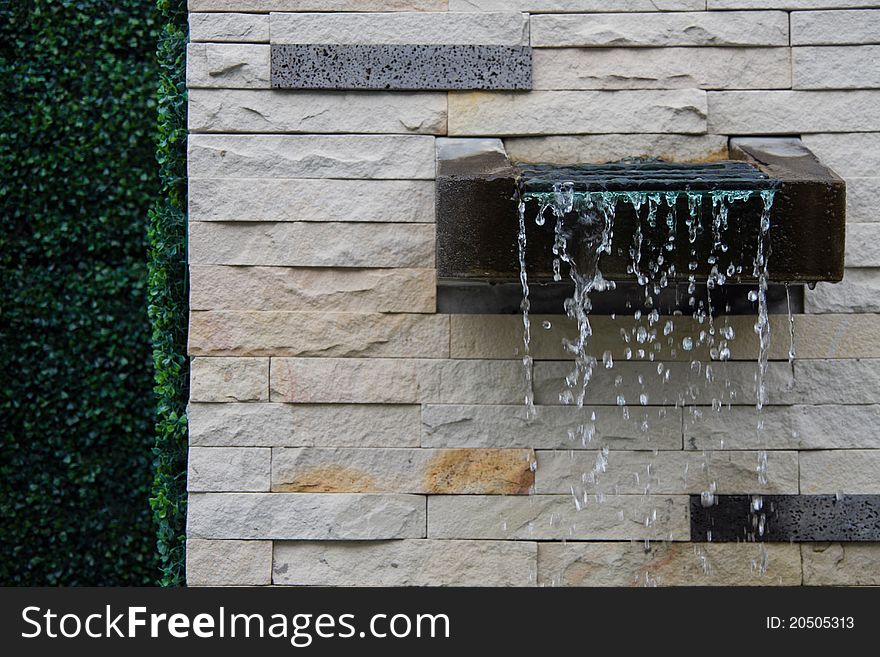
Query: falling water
[[531, 412], [584, 225]]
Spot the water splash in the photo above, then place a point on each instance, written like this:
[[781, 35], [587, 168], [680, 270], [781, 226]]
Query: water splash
[[531, 411]]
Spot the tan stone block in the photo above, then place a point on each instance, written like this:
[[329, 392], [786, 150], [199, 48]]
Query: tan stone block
[[248, 199], [227, 65], [668, 564], [354, 380], [405, 563], [479, 113], [427, 471], [610, 148], [555, 517], [841, 564], [228, 563], [305, 516], [554, 427], [666, 473], [229, 379], [228, 469], [273, 333], [846, 471]]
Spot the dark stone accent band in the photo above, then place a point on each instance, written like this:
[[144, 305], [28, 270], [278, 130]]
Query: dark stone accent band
[[400, 67], [785, 518]]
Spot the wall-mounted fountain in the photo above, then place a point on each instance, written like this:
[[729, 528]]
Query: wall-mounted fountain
[[668, 208]]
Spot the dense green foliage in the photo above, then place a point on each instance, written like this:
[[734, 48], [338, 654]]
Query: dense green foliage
[[77, 176], [168, 298]]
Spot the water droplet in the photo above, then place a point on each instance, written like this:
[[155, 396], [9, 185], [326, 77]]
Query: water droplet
[[547, 325], [687, 344]]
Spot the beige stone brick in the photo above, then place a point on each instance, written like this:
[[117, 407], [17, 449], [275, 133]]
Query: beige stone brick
[[302, 244], [234, 27], [305, 516], [248, 199], [841, 564], [487, 29], [229, 379], [268, 111], [227, 65], [610, 148], [354, 380], [785, 427], [228, 469], [766, 28], [215, 287], [303, 425], [835, 27], [405, 563], [554, 517], [341, 335], [668, 564], [666, 473], [228, 563], [554, 427], [426, 471], [375, 157], [562, 112], [662, 68], [786, 112], [847, 471]]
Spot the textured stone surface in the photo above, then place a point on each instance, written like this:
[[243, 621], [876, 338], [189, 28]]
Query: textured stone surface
[[555, 427], [406, 563], [662, 68], [241, 28], [482, 29], [405, 157], [342, 335], [229, 379], [562, 112], [732, 382], [237, 110], [219, 469], [768, 28], [312, 244], [835, 67], [859, 292], [835, 382], [861, 199], [667, 564], [228, 65], [666, 473], [288, 199], [611, 148], [786, 518], [789, 4], [848, 471], [541, 6], [328, 66], [500, 336], [862, 245], [836, 151], [317, 5], [835, 27], [305, 516], [554, 517], [228, 563], [288, 425], [785, 112], [215, 287], [841, 564], [355, 381], [428, 471], [785, 427]]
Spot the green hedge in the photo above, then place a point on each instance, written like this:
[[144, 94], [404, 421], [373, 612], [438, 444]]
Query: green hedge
[[77, 176], [168, 297]]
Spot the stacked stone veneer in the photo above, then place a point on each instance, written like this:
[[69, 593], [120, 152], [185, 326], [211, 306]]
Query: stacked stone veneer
[[343, 432]]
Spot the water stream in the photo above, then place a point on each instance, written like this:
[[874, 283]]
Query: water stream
[[584, 224]]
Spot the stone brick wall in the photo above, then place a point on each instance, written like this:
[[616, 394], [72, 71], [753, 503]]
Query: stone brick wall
[[343, 432]]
